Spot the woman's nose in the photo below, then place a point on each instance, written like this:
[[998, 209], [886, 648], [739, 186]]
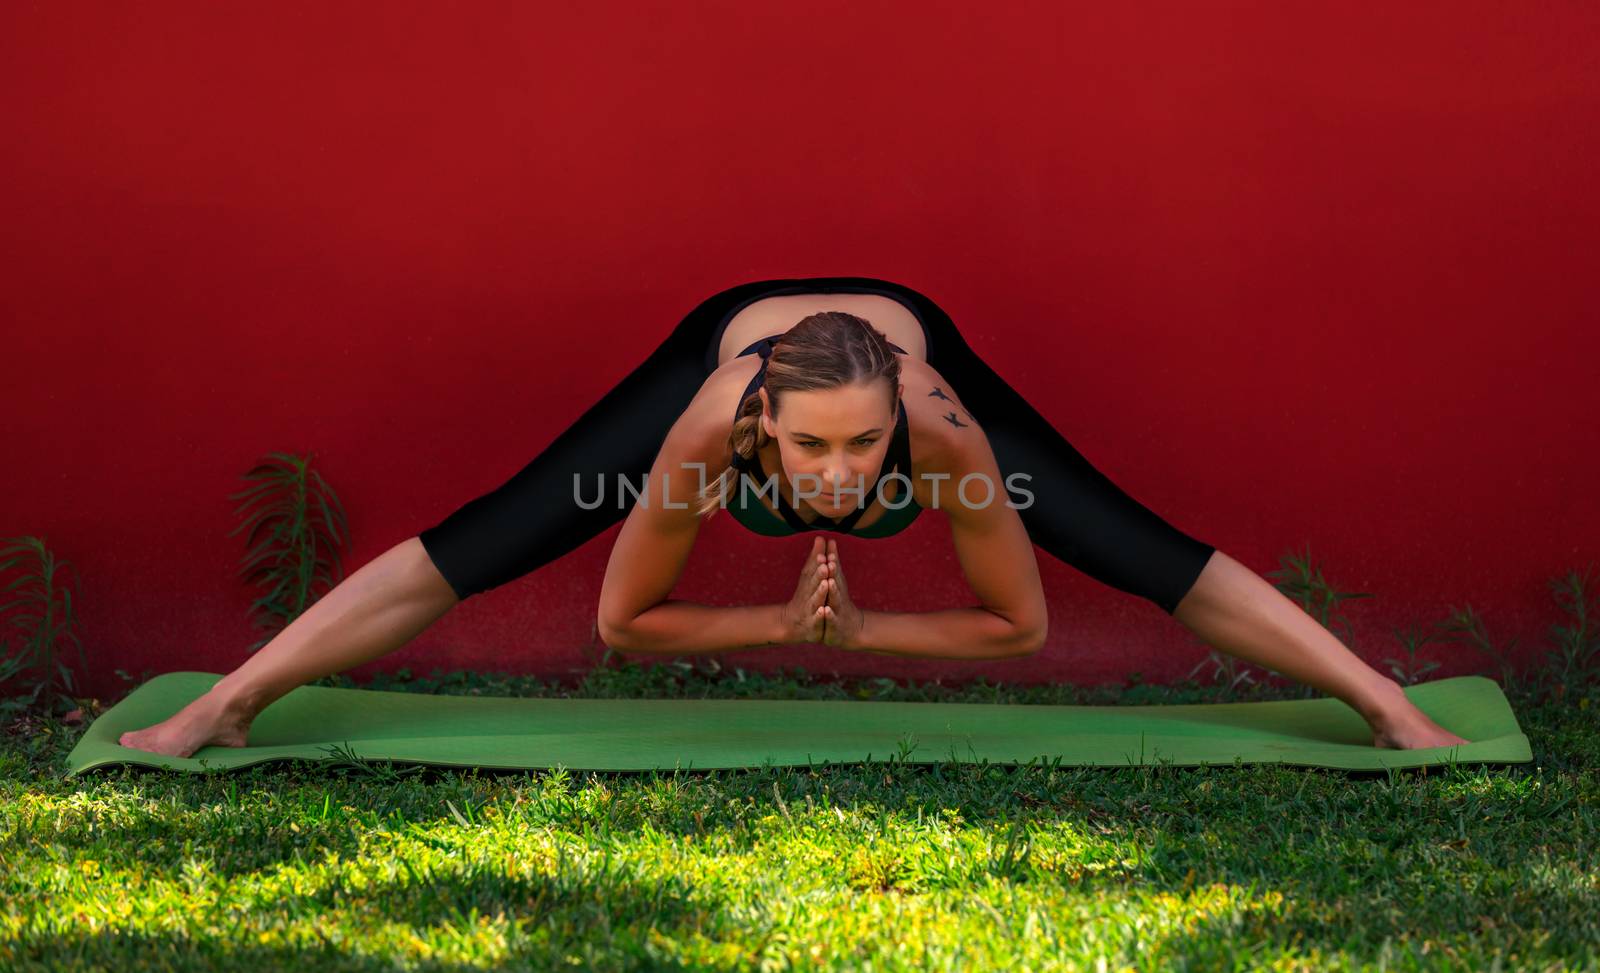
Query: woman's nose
[[839, 479]]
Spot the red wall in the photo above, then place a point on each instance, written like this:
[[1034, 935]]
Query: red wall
[[1312, 276]]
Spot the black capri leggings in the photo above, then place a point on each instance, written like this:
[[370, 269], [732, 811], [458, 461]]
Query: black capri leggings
[[1077, 514]]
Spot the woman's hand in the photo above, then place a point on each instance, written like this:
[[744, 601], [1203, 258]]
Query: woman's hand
[[803, 616], [844, 619]]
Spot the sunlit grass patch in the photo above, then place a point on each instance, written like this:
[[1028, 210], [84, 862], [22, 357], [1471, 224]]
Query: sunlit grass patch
[[905, 866]]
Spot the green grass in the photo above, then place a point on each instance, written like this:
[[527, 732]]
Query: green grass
[[886, 866]]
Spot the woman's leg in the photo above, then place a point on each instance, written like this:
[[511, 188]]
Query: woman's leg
[[1084, 519], [1077, 514], [374, 611], [533, 518], [528, 521]]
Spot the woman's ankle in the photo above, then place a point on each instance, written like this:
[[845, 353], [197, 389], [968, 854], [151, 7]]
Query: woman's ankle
[[1388, 700], [236, 703]]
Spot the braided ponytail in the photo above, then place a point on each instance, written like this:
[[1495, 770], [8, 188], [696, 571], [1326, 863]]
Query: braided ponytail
[[746, 438]]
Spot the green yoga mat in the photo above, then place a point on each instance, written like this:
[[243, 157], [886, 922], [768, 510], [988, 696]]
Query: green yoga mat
[[313, 722]]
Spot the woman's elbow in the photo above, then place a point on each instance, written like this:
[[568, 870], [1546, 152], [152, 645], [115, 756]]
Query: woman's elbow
[[1030, 633], [614, 633], [1030, 640]]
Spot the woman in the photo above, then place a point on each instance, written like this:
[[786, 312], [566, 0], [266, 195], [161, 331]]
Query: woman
[[862, 426]]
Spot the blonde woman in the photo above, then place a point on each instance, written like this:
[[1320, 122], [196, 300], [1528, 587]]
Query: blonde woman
[[845, 405]]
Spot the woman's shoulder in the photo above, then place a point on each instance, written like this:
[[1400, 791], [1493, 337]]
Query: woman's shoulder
[[707, 422], [722, 391], [933, 410], [941, 428]]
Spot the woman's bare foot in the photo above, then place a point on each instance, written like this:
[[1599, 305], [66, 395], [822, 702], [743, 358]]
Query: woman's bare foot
[[1401, 726], [205, 722]]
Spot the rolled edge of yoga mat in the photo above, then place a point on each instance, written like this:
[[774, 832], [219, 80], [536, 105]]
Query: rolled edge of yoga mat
[[324, 724]]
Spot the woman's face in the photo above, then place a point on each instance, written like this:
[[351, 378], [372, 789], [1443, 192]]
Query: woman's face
[[832, 439]]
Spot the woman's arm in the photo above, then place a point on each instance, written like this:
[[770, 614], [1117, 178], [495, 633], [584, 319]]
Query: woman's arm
[[687, 628], [680, 626], [950, 633], [635, 613], [656, 538], [996, 556]]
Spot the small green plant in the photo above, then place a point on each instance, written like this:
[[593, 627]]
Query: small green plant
[[295, 526], [344, 759], [1574, 662], [1228, 672], [42, 611], [1465, 625], [1407, 671]]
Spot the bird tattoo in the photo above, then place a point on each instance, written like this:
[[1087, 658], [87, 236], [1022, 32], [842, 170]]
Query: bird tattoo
[[950, 417]]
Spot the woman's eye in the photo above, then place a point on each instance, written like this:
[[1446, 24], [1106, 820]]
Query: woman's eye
[[859, 442]]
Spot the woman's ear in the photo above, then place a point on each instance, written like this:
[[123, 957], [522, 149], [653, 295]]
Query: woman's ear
[[767, 425]]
